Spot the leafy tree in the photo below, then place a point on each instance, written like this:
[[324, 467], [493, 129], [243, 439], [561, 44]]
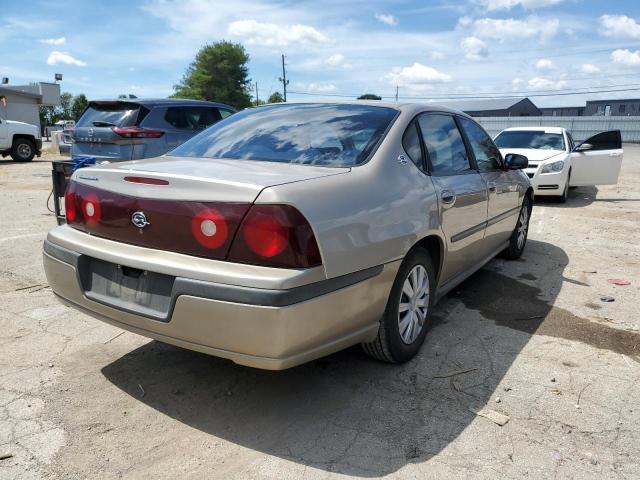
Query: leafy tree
[[275, 97], [218, 73], [64, 109], [79, 104], [369, 96]]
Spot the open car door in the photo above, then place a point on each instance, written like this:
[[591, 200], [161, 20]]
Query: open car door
[[597, 160]]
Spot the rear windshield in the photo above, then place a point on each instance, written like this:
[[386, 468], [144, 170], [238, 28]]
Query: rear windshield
[[309, 134], [109, 114], [530, 139]]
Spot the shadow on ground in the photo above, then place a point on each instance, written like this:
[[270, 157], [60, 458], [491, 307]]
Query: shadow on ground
[[352, 415]]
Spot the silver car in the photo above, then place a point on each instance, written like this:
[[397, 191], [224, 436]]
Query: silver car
[[287, 232]]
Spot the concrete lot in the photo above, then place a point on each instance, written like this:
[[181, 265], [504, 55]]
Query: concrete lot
[[78, 401]]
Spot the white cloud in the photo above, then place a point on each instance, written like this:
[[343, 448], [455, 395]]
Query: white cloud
[[54, 41], [589, 68], [516, 83], [57, 58], [504, 29], [388, 19], [272, 35], [417, 75], [474, 48], [435, 55], [544, 64], [335, 60], [540, 83], [626, 57], [619, 26], [321, 87], [509, 4]]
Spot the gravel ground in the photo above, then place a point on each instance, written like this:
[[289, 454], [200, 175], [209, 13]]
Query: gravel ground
[[533, 338]]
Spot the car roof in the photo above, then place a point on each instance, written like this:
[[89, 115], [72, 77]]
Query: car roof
[[411, 108], [152, 102], [535, 129]]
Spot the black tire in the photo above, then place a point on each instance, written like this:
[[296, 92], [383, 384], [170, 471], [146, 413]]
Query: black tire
[[23, 150], [515, 248], [389, 345]]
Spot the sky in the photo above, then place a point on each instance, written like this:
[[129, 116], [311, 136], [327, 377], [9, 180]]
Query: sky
[[427, 50]]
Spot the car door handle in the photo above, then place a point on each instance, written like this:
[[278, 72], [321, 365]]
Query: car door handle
[[615, 154], [492, 186], [448, 197]]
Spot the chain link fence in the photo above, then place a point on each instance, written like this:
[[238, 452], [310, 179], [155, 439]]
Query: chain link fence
[[580, 128]]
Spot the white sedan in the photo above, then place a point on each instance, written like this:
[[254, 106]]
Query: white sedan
[[556, 162]]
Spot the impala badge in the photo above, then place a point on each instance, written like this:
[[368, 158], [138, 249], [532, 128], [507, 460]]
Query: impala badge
[[139, 219]]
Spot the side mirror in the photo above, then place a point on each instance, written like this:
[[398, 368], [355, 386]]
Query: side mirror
[[516, 161], [583, 147]]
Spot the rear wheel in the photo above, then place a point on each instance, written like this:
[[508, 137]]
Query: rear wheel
[[23, 150], [406, 318], [518, 238]]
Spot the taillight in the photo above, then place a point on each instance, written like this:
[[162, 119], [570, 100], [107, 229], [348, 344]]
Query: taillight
[[210, 228], [137, 132], [91, 210], [277, 236], [146, 180], [70, 205]]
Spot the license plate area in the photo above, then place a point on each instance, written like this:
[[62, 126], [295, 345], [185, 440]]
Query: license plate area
[[127, 288]]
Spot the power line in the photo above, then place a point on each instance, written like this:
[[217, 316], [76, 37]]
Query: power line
[[542, 93]]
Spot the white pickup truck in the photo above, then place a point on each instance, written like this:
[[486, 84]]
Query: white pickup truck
[[20, 140]]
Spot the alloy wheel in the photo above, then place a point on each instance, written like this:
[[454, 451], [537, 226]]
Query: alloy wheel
[[24, 150], [523, 225], [414, 303]]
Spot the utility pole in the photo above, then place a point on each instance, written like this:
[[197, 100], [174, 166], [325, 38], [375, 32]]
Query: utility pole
[[396, 93], [284, 80], [257, 100]]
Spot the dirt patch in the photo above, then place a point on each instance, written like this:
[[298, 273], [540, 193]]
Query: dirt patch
[[516, 305]]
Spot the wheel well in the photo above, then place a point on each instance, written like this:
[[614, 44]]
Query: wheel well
[[433, 244], [18, 136], [529, 193]]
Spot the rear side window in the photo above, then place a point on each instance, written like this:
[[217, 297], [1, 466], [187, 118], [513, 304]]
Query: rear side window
[[225, 113], [445, 148], [192, 118], [109, 114], [411, 144], [486, 153]]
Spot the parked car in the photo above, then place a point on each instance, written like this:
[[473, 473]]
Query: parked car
[[290, 231], [21, 140], [65, 140], [117, 130], [556, 162]]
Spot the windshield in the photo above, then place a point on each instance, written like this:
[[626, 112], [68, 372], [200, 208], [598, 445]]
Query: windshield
[[530, 139], [310, 134]]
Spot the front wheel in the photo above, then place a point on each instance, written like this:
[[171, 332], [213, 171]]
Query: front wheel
[[518, 238], [406, 318], [23, 150], [565, 193]]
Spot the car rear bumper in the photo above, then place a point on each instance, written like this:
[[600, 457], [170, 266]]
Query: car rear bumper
[[270, 328]]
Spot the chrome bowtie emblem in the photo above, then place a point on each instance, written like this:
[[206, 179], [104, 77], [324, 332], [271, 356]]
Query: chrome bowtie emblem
[[139, 219]]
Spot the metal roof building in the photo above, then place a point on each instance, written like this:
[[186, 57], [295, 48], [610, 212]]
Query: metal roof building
[[496, 107]]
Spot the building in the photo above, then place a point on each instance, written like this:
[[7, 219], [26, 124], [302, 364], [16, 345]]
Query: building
[[23, 101], [613, 108], [496, 107], [562, 111]]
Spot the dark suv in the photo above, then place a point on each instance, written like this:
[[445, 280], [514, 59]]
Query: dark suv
[[131, 129]]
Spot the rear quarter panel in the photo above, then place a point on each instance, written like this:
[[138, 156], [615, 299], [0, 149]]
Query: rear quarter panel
[[370, 216]]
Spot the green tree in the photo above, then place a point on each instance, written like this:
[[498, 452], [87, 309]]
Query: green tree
[[275, 97], [369, 96], [64, 109], [218, 73], [79, 104]]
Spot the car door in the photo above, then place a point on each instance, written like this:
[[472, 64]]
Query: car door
[[597, 160], [4, 135], [462, 193], [503, 194]]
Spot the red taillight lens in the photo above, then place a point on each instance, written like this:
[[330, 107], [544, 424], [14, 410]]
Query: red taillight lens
[[70, 205], [210, 228], [137, 132], [146, 180], [91, 210], [275, 235]]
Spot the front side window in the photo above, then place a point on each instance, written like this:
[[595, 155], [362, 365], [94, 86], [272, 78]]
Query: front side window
[[445, 148], [538, 139], [486, 153], [309, 134]]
